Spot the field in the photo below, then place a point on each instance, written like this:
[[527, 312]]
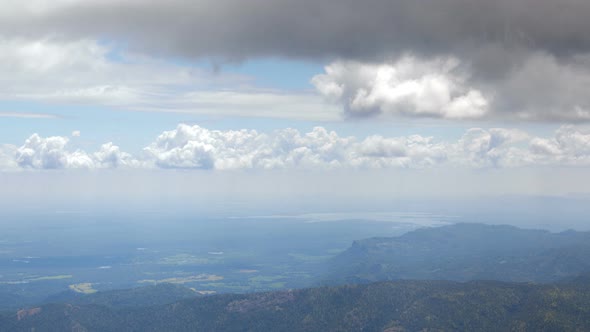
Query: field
[[258, 255]]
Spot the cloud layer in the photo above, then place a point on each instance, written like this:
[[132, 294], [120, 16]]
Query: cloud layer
[[87, 71], [309, 28], [195, 147], [454, 59]]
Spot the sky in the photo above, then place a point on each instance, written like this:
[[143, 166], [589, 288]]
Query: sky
[[391, 97]]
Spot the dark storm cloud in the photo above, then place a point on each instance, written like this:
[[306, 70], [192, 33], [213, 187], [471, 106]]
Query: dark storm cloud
[[528, 57], [329, 28]]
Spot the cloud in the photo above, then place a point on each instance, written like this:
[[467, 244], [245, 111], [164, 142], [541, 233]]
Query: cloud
[[523, 60], [409, 86], [231, 29], [111, 156], [494, 147], [518, 59], [542, 88], [569, 146], [51, 153], [414, 151], [195, 147], [89, 72], [76, 133], [245, 103], [27, 115], [84, 70], [7, 160]]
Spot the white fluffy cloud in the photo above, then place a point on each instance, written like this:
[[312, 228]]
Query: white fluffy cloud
[[407, 87], [539, 87], [494, 147], [569, 146], [414, 151], [195, 147], [111, 156], [38, 152], [52, 153]]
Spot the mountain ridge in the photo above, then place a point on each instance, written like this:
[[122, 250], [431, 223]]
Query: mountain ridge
[[464, 252]]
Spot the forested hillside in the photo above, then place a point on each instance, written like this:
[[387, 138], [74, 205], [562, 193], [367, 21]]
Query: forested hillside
[[385, 306]]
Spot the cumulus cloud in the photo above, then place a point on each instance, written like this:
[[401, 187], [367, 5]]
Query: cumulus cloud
[[414, 151], [569, 146], [38, 152], [493, 147], [409, 86], [195, 147], [111, 156], [541, 88], [52, 153]]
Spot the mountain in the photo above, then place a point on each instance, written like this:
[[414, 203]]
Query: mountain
[[385, 306], [542, 284], [464, 252]]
